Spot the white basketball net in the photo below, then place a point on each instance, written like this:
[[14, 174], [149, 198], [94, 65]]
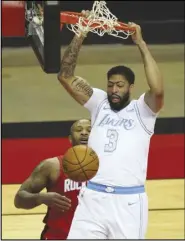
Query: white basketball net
[[104, 20]]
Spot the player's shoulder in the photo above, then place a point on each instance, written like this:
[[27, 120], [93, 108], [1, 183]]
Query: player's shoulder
[[138, 99], [132, 104], [141, 107], [53, 167], [48, 168], [52, 161], [97, 99], [50, 165], [99, 92]]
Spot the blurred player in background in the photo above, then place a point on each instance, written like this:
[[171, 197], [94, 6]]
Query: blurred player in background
[[61, 195], [114, 204]]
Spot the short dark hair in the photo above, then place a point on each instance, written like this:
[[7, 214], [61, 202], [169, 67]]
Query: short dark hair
[[124, 71], [74, 123]]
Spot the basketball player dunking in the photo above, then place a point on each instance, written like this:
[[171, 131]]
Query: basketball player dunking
[[114, 204], [61, 196]]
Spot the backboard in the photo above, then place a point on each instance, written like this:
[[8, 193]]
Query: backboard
[[43, 32]]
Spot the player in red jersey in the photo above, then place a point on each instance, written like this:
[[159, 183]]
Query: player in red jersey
[[61, 195]]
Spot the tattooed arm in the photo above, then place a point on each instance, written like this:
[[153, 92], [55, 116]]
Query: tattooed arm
[[76, 86]]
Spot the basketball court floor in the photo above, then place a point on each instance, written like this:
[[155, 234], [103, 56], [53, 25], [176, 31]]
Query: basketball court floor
[[166, 215]]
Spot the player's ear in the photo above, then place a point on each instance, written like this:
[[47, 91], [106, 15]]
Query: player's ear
[[70, 138], [131, 88]]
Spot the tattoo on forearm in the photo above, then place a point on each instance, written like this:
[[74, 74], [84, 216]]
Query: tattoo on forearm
[[69, 59], [81, 86]]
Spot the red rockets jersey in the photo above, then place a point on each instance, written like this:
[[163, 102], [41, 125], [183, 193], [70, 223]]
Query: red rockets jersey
[[57, 223]]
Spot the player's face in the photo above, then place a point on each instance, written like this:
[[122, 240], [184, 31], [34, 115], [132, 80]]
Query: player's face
[[80, 132], [118, 91]]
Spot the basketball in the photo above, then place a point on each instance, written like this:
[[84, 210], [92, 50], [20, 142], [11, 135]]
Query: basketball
[[80, 163]]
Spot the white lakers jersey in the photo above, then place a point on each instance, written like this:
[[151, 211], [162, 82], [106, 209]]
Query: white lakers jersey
[[120, 139]]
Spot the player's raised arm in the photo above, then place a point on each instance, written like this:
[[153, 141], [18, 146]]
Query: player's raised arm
[[77, 87], [29, 195], [155, 96]]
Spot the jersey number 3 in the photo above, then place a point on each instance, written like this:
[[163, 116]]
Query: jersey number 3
[[112, 135]]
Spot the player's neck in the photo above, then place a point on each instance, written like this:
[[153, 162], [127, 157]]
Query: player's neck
[[126, 103]]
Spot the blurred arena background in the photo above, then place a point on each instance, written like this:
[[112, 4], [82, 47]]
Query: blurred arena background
[[37, 112]]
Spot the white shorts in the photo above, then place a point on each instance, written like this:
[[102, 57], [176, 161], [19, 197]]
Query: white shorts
[[102, 215]]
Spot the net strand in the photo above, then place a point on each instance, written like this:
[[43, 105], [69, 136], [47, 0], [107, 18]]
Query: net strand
[[100, 21]]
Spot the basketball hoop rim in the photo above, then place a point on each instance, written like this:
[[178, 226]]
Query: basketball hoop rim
[[68, 17]]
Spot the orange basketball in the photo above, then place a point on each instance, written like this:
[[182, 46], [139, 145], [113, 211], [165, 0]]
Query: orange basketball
[[80, 163]]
